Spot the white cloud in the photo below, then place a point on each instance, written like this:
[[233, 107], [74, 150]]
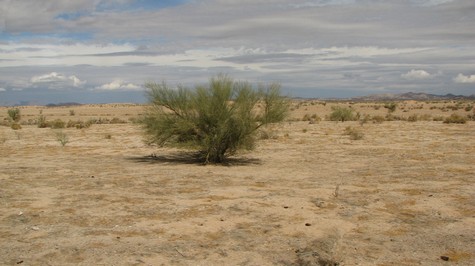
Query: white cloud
[[3, 89], [431, 2], [417, 75], [118, 85], [56, 80], [26, 54], [48, 78], [461, 78]]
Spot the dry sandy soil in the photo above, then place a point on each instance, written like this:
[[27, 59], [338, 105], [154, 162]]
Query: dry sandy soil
[[404, 194]]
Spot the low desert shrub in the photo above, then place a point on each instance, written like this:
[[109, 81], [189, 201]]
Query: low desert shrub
[[15, 126], [378, 119], [117, 120], [455, 119], [391, 107], [62, 138], [354, 133], [425, 117], [342, 114], [72, 113], [14, 114], [365, 119], [413, 118], [57, 123], [78, 124], [41, 122], [306, 117], [311, 118]]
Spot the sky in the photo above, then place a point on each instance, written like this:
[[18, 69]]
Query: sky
[[99, 51]]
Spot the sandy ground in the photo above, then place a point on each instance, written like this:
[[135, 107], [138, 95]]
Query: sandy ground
[[309, 195]]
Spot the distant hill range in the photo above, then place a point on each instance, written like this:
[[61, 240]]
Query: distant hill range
[[419, 96], [62, 104]]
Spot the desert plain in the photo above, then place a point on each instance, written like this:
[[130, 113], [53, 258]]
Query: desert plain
[[401, 192]]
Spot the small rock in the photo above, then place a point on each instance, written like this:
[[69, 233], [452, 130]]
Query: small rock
[[308, 224], [35, 228], [444, 258]]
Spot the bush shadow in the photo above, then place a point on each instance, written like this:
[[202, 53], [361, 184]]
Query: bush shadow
[[192, 158]]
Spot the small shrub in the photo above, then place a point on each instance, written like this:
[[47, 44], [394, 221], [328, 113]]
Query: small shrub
[[117, 120], [15, 126], [469, 108], [306, 117], [456, 119], [14, 114], [438, 118], [41, 122], [62, 138], [342, 114], [365, 119], [58, 123], [391, 107], [108, 136], [354, 133], [413, 118], [378, 119], [77, 124], [72, 112], [425, 117]]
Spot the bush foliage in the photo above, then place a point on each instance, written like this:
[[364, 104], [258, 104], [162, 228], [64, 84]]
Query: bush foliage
[[217, 119], [342, 114], [455, 119], [14, 114]]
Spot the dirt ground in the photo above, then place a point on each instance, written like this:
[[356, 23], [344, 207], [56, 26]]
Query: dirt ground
[[308, 194]]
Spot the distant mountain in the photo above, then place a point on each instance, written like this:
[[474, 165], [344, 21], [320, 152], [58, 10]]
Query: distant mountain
[[416, 96], [62, 104]]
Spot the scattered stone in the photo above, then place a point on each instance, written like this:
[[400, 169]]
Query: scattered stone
[[308, 224], [444, 258]]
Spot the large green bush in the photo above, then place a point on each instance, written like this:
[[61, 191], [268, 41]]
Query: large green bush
[[216, 119]]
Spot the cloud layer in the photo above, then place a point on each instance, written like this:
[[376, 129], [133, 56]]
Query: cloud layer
[[314, 48]]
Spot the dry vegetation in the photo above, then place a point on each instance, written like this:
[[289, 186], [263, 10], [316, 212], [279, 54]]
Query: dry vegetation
[[392, 188]]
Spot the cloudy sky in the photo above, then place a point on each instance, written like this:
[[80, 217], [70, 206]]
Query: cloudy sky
[[104, 50]]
